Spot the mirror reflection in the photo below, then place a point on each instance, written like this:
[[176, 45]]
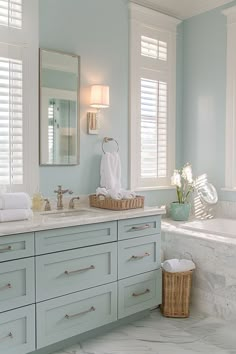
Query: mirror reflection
[[59, 107]]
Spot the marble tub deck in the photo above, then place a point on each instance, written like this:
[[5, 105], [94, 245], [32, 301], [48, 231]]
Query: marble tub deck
[[158, 335]]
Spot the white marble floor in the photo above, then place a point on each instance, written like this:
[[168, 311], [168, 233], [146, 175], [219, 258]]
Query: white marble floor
[[158, 335]]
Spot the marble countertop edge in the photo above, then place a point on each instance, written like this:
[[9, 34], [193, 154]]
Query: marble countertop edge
[[42, 222]]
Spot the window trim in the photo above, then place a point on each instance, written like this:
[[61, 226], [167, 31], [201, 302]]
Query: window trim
[[27, 39], [142, 16], [230, 128]]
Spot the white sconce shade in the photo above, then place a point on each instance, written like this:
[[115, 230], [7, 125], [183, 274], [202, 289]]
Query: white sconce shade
[[99, 96]]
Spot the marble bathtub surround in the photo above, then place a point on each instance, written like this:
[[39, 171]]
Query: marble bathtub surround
[[214, 280], [158, 335]]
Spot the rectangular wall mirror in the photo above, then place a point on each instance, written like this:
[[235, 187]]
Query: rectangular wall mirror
[[59, 108]]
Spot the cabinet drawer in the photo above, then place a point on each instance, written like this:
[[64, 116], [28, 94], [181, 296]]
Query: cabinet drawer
[[16, 246], [73, 314], [66, 272], [137, 256], [17, 331], [17, 284], [130, 228], [139, 293], [74, 237]]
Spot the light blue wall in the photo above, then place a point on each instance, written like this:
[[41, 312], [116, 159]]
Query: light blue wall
[[98, 32], [204, 95]]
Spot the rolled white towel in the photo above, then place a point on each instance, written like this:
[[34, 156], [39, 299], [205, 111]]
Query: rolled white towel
[[15, 201], [126, 194], [115, 194], [102, 191], [15, 214], [178, 265]]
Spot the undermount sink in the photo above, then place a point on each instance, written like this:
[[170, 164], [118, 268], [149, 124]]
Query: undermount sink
[[62, 214]]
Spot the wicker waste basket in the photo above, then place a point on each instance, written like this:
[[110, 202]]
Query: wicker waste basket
[[176, 291]]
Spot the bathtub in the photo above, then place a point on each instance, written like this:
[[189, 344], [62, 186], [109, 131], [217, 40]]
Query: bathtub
[[222, 227], [212, 246]]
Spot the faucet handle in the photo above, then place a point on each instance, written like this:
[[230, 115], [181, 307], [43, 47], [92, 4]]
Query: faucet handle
[[70, 192], [47, 206], [71, 203]]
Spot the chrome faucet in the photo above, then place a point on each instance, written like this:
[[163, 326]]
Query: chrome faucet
[[71, 203], [60, 193]]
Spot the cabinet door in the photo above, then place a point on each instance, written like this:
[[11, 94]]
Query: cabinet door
[[74, 237], [138, 227], [16, 246], [73, 314], [17, 331], [70, 271], [138, 256], [139, 293], [17, 284]]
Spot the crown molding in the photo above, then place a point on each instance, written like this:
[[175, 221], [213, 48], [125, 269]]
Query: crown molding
[[230, 13], [179, 9]]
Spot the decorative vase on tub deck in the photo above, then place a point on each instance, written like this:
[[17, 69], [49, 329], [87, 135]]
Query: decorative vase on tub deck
[[180, 212], [184, 183]]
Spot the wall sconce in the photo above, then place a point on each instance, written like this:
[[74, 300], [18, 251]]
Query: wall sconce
[[99, 98]]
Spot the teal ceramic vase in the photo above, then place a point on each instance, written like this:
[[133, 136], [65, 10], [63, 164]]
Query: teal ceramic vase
[[180, 212]]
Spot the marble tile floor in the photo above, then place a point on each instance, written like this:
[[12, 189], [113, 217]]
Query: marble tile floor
[[158, 335]]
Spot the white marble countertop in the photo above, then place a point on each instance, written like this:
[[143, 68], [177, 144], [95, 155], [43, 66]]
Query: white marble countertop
[[85, 216]]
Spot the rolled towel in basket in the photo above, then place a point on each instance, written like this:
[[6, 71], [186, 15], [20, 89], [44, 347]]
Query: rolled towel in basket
[[178, 265], [15, 214], [15, 201]]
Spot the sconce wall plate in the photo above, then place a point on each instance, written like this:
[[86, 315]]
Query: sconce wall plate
[[92, 122], [99, 98]]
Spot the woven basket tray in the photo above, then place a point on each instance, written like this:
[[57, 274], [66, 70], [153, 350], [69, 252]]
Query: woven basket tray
[[113, 204], [176, 290]]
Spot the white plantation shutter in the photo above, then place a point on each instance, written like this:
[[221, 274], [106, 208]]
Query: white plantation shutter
[[152, 98], [11, 13], [11, 121], [153, 48], [19, 95], [153, 129]]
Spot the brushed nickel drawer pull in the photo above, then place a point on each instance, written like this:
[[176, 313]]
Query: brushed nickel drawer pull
[[8, 286], [10, 335], [140, 294], [6, 249], [67, 272], [140, 228], [146, 254], [80, 313]]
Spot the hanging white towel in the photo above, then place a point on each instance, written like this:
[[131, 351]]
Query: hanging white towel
[[178, 265], [110, 171], [15, 214], [15, 201]]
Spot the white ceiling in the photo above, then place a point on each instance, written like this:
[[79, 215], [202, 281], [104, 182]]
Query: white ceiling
[[182, 9]]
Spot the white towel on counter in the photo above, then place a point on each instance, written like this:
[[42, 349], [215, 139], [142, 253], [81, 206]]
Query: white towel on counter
[[178, 265], [15, 214], [116, 194], [15, 201], [110, 171]]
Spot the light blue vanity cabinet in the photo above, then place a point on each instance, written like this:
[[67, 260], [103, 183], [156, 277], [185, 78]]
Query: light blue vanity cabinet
[[76, 279], [73, 237], [17, 294]]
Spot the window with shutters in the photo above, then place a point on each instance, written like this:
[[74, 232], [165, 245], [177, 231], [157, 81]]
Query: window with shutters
[[152, 97], [11, 121], [18, 94], [11, 13]]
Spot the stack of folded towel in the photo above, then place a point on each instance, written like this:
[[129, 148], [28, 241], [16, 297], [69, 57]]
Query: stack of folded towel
[[178, 265], [15, 207], [110, 173]]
